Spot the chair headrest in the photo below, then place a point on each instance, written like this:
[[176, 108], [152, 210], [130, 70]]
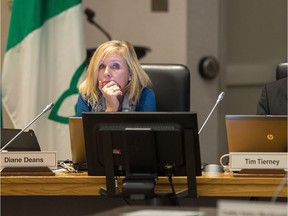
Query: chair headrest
[[171, 84], [281, 70]]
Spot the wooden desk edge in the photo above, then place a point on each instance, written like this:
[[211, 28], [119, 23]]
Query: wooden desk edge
[[77, 185]]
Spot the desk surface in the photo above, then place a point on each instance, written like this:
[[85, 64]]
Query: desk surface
[[83, 185]]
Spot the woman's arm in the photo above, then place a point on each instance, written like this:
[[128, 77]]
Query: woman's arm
[[82, 106]]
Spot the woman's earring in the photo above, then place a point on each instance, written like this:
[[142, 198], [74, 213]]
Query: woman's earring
[[129, 78]]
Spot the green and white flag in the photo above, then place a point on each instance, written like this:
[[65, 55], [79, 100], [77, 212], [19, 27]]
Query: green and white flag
[[43, 64]]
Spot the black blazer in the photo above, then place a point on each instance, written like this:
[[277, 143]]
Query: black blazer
[[273, 100]]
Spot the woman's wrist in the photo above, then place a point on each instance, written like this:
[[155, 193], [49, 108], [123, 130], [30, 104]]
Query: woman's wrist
[[108, 109]]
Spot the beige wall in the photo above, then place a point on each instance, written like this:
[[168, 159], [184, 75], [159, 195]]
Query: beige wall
[[256, 42], [164, 32], [5, 14]]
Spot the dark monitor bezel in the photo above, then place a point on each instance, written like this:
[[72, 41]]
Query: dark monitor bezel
[[93, 124]]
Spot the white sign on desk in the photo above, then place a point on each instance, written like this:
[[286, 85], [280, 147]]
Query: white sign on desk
[[244, 208], [258, 160], [29, 159]]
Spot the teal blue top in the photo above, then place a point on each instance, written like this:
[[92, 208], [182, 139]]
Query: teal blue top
[[147, 103]]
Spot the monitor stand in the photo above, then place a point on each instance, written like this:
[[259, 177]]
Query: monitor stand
[[159, 199], [150, 182]]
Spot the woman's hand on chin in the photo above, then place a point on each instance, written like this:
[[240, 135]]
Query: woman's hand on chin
[[112, 93]]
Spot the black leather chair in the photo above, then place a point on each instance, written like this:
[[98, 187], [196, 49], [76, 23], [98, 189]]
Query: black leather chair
[[281, 70], [171, 84]]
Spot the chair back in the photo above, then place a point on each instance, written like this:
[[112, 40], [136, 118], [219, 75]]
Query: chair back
[[171, 85], [281, 70]]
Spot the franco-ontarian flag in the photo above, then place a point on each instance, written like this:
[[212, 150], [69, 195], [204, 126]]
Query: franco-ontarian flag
[[43, 64]]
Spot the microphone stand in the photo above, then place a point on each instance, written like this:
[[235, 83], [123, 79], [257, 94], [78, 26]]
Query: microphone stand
[[140, 51], [48, 107], [220, 97], [90, 14], [101, 29]]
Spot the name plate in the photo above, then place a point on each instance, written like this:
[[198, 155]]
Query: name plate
[[29, 159], [258, 160], [245, 208]]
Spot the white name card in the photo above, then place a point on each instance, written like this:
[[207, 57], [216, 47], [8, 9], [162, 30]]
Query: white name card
[[244, 208], [29, 159], [258, 160]]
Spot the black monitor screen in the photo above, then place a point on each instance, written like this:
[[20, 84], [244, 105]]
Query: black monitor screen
[[141, 143]]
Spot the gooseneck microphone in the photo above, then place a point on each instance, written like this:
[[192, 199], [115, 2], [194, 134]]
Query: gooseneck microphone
[[220, 98], [90, 15], [47, 108]]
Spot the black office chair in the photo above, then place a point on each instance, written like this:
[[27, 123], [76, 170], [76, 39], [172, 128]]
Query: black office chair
[[171, 84], [281, 70]]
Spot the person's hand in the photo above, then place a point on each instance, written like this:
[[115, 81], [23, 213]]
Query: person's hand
[[112, 93]]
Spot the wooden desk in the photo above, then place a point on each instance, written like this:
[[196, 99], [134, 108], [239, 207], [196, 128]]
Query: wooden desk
[[83, 185]]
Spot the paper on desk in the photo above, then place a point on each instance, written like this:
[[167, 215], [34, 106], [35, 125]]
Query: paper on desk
[[164, 212]]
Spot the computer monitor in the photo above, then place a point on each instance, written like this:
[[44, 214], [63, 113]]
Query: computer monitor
[[142, 145]]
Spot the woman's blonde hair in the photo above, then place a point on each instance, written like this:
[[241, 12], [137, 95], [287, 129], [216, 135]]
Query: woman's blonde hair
[[139, 78]]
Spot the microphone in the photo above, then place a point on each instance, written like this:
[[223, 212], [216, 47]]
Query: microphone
[[47, 108], [90, 15], [220, 98]]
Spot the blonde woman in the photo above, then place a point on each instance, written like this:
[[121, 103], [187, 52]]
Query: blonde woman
[[115, 82]]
